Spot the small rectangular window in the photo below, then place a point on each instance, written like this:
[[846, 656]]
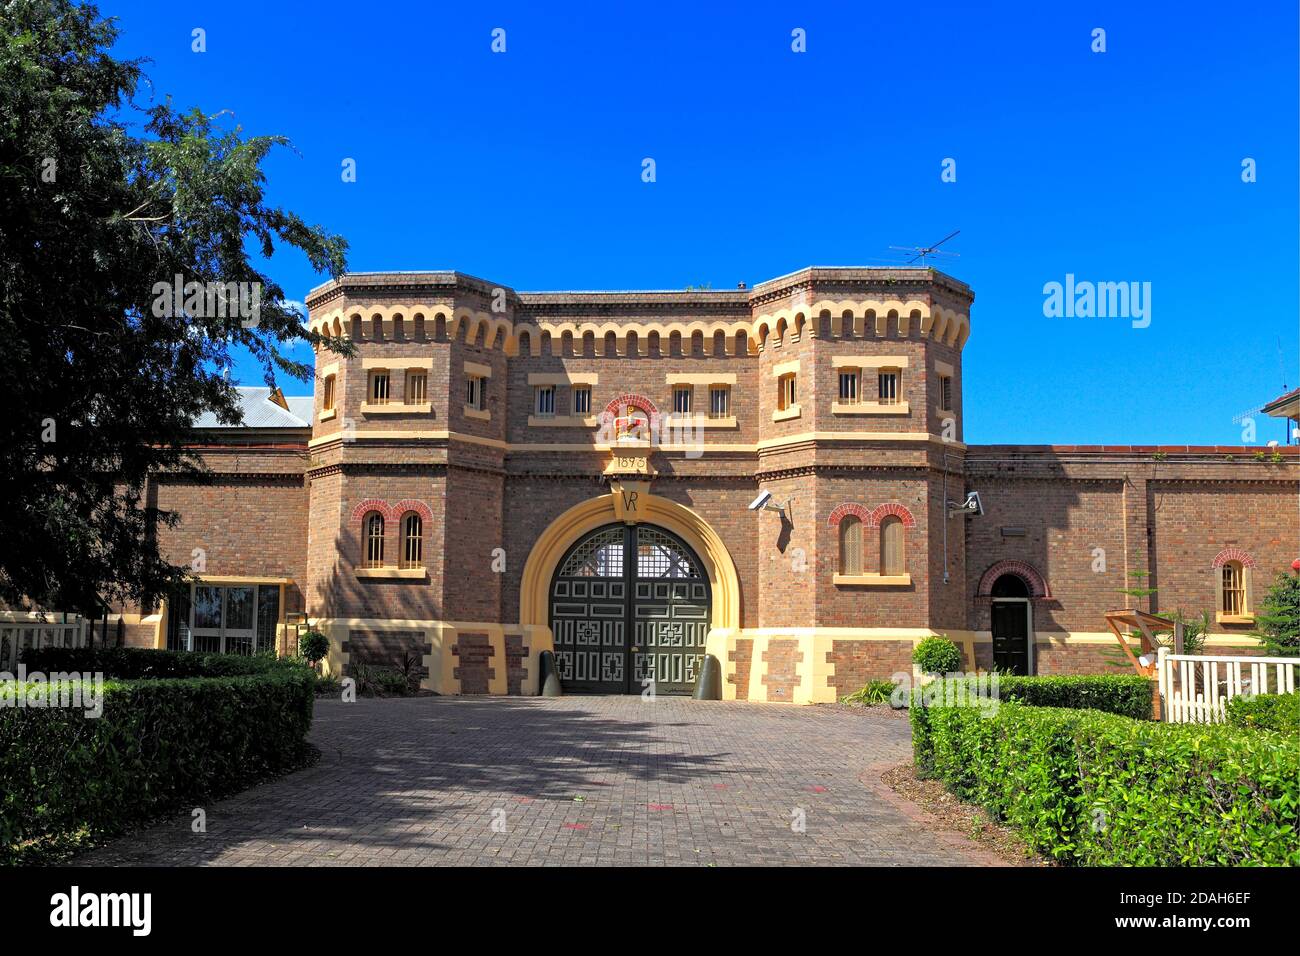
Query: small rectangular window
[[327, 401], [719, 401], [945, 393], [787, 395], [849, 391], [417, 388], [379, 387], [888, 386], [682, 395], [582, 399], [475, 389], [544, 405]]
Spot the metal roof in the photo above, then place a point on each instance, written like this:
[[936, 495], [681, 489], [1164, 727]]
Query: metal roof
[[260, 412]]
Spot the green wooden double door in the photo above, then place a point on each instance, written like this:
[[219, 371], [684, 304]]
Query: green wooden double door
[[629, 604]]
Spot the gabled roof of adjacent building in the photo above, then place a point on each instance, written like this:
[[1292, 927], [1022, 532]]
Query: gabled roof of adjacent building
[[262, 409]]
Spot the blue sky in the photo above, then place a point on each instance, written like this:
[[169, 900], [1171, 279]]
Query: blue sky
[[525, 168]]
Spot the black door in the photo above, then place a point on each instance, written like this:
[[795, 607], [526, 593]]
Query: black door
[[629, 603], [1011, 637]]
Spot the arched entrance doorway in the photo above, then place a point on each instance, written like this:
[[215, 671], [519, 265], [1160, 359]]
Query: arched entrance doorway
[[1012, 625], [629, 602]]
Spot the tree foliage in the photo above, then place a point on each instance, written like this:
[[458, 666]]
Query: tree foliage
[[1277, 621], [102, 198]]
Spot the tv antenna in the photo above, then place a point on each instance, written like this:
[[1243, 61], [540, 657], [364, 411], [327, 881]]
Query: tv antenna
[[923, 252]]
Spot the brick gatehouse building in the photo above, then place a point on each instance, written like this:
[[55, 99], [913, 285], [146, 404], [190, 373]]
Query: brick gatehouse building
[[496, 473]]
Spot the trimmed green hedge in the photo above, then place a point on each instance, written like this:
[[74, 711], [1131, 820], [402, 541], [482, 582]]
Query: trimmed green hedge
[[1105, 790], [160, 745], [131, 663], [1127, 694], [1280, 712]]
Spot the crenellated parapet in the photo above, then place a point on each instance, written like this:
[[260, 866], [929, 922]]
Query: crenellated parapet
[[819, 302]]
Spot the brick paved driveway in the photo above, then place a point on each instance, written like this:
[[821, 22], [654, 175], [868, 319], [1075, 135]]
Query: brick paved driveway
[[572, 781]]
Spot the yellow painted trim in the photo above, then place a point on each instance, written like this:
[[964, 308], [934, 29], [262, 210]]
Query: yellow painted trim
[[397, 408], [872, 580], [408, 435], [326, 371], [1221, 618], [1105, 637], [935, 322], [786, 368], [476, 440], [785, 414], [855, 436], [563, 378], [700, 378], [846, 633], [397, 361], [563, 421], [240, 579], [482, 414], [411, 573], [524, 447], [871, 408], [478, 369], [869, 361], [327, 413], [699, 421]]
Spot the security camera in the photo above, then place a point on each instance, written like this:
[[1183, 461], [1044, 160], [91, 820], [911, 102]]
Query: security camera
[[972, 506], [764, 503]]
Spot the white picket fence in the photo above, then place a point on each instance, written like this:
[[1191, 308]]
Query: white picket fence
[[19, 633], [1195, 689]]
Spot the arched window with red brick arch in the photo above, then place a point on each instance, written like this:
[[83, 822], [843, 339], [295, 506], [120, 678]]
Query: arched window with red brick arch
[[1233, 602], [893, 556], [412, 540], [850, 531], [891, 509], [372, 542]]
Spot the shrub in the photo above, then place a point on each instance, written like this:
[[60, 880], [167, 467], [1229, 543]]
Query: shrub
[[875, 692], [378, 681], [328, 685], [160, 744], [1106, 790], [937, 655], [1127, 694], [1278, 617], [1280, 712], [313, 645], [132, 663]]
